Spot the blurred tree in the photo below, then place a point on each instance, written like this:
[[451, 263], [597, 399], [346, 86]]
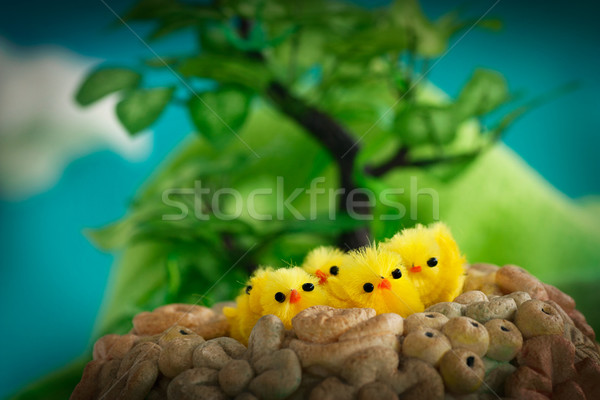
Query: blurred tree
[[303, 91]]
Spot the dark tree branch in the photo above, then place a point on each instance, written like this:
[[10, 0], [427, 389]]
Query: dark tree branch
[[401, 160], [398, 160], [331, 134], [245, 28], [340, 144]]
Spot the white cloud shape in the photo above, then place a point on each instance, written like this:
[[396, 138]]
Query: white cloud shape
[[42, 129]]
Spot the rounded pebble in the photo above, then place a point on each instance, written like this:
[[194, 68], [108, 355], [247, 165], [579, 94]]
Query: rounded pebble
[[323, 324], [369, 365], [471, 297], [463, 371], [196, 384], [466, 333], [505, 340], [382, 324], [266, 337], [535, 318], [518, 297], [278, 375], [511, 278], [431, 319], [497, 308], [415, 380], [235, 376], [426, 344], [211, 355], [177, 356], [113, 346]]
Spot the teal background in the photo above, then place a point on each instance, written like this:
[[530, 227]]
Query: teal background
[[52, 280]]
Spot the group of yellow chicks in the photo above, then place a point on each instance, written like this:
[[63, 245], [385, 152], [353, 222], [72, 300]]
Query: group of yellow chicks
[[416, 268]]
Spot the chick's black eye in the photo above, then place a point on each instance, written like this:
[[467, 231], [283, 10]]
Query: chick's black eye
[[280, 297], [334, 270], [308, 287], [368, 287], [396, 274], [432, 262], [248, 289]]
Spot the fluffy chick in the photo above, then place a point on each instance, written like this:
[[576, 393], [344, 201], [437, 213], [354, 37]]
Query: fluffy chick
[[325, 263], [376, 278], [247, 311], [287, 291], [433, 260]]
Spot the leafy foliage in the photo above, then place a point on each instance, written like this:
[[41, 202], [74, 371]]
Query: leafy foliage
[[139, 109], [220, 113], [105, 81], [484, 92]]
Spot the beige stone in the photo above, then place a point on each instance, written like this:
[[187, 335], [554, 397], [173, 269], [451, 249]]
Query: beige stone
[[426, 344], [323, 324], [505, 340], [511, 278], [463, 371], [429, 319], [535, 318]]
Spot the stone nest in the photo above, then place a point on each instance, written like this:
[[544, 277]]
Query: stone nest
[[508, 335]]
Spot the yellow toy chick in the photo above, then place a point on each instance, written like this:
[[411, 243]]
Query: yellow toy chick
[[283, 292], [243, 317], [435, 265], [376, 278], [287, 291], [325, 263]]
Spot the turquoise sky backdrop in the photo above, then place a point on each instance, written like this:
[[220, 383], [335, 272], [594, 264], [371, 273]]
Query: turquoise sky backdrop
[[52, 279]]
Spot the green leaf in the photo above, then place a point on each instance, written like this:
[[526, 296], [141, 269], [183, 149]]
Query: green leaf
[[485, 91], [421, 34], [105, 81], [113, 236], [230, 69], [366, 44], [213, 39], [450, 23], [220, 114], [139, 109], [171, 25], [418, 125]]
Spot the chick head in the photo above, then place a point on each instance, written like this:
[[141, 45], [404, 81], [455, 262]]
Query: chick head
[[287, 291], [323, 262], [376, 278], [420, 250]]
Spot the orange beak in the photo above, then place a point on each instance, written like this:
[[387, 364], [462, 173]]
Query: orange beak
[[322, 276], [384, 284], [416, 269], [295, 297]]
